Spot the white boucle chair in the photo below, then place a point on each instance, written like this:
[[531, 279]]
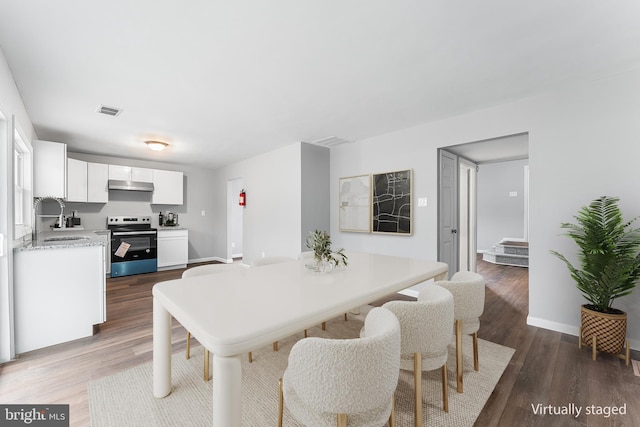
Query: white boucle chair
[[328, 380], [205, 270], [467, 288], [425, 330]]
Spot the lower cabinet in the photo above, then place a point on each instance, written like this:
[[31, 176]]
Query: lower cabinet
[[59, 294], [173, 249]]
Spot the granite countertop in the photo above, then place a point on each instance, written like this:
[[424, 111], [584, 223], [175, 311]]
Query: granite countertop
[[171, 227], [65, 239]]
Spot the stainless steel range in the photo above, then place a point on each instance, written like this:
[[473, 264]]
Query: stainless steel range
[[134, 245]]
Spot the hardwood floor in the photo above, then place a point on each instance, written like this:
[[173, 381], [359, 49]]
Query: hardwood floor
[[547, 367]]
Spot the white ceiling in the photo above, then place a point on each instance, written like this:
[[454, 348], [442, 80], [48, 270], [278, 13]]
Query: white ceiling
[[222, 81]]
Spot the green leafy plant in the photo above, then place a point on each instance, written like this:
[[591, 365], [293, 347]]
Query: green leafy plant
[[609, 259], [320, 243]]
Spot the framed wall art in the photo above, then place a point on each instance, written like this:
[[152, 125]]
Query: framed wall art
[[392, 210], [355, 204]]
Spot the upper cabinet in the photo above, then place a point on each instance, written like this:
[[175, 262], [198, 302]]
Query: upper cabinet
[[167, 188], [76, 180], [129, 173], [49, 169], [87, 182], [97, 182]]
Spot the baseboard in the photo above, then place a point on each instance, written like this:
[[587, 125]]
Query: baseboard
[[567, 329], [209, 259]]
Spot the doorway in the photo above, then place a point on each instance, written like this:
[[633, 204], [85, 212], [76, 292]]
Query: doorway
[[458, 195]]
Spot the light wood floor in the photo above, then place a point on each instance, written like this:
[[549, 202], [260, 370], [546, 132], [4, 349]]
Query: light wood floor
[[547, 367]]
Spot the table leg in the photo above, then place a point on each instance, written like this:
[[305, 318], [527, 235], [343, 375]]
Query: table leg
[[161, 350], [227, 391]]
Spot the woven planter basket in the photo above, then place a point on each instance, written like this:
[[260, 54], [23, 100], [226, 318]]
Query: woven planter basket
[[610, 330]]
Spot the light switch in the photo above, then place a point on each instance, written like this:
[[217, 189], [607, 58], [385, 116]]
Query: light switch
[[513, 194], [202, 213], [422, 202]]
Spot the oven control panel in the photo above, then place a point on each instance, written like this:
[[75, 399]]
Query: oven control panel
[[127, 220]]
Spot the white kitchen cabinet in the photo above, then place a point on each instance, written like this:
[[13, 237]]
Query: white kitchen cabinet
[[76, 180], [87, 182], [49, 169], [97, 183], [167, 188], [61, 299], [173, 249], [130, 173]]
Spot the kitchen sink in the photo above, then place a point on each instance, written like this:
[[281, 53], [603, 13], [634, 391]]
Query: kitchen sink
[[66, 238]]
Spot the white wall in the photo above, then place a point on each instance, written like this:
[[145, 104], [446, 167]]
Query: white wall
[[315, 191], [583, 143], [499, 214], [12, 108], [272, 214]]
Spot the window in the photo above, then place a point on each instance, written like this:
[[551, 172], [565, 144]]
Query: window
[[22, 184]]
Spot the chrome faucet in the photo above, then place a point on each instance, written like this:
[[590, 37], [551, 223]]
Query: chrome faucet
[[36, 204]]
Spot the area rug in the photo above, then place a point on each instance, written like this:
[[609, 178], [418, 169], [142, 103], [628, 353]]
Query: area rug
[[126, 399]]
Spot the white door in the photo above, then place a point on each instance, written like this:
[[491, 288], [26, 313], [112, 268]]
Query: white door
[[448, 210]]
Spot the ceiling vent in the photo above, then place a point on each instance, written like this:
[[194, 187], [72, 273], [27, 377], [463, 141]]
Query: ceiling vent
[[109, 111], [331, 141]]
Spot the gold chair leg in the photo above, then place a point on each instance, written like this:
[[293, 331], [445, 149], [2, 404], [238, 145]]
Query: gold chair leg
[[250, 356], [445, 389], [188, 351], [476, 364], [459, 366], [417, 387], [593, 348], [280, 403], [342, 420], [580, 337], [627, 354], [206, 365], [275, 346], [392, 416], [324, 326], [305, 333], [345, 317]]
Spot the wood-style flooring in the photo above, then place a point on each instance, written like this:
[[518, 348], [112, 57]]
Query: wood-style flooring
[[547, 367]]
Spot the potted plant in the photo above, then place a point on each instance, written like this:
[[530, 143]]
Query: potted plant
[[320, 243], [609, 268]]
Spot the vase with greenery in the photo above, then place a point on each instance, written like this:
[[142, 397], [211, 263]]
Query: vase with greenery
[[319, 242], [608, 264]]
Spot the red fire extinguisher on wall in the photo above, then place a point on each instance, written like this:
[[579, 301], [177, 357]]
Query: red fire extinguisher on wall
[[243, 198]]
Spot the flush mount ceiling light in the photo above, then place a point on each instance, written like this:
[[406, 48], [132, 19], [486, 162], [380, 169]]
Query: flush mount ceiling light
[[156, 145]]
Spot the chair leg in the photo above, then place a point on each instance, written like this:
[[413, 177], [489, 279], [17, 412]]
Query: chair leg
[[445, 389], [342, 420], [476, 365], [324, 326], [280, 403], [345, 317], [206, 365], [417, 388], [275, 346], [392, 416], [305, 333], [188, 351], [459, 366], [250, 356]]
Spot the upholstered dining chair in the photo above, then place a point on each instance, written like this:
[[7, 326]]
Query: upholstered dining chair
[[204, 270], [330, 380], [425, 331], [467, 289], [259, 262]]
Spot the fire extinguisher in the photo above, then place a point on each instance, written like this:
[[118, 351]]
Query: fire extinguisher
[[243, 198]]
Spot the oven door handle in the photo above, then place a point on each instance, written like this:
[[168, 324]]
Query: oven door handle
[[129, 233]]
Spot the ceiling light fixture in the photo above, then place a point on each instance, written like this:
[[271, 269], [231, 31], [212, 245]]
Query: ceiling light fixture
[[156, 145]]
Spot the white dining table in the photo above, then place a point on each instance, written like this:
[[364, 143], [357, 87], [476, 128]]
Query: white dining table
[[241, 310]]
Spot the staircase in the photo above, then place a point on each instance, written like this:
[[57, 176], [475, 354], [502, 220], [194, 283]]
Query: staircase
[[509, 252]]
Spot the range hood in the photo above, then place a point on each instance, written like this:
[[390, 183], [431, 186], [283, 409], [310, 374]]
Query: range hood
[[116, 184]]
